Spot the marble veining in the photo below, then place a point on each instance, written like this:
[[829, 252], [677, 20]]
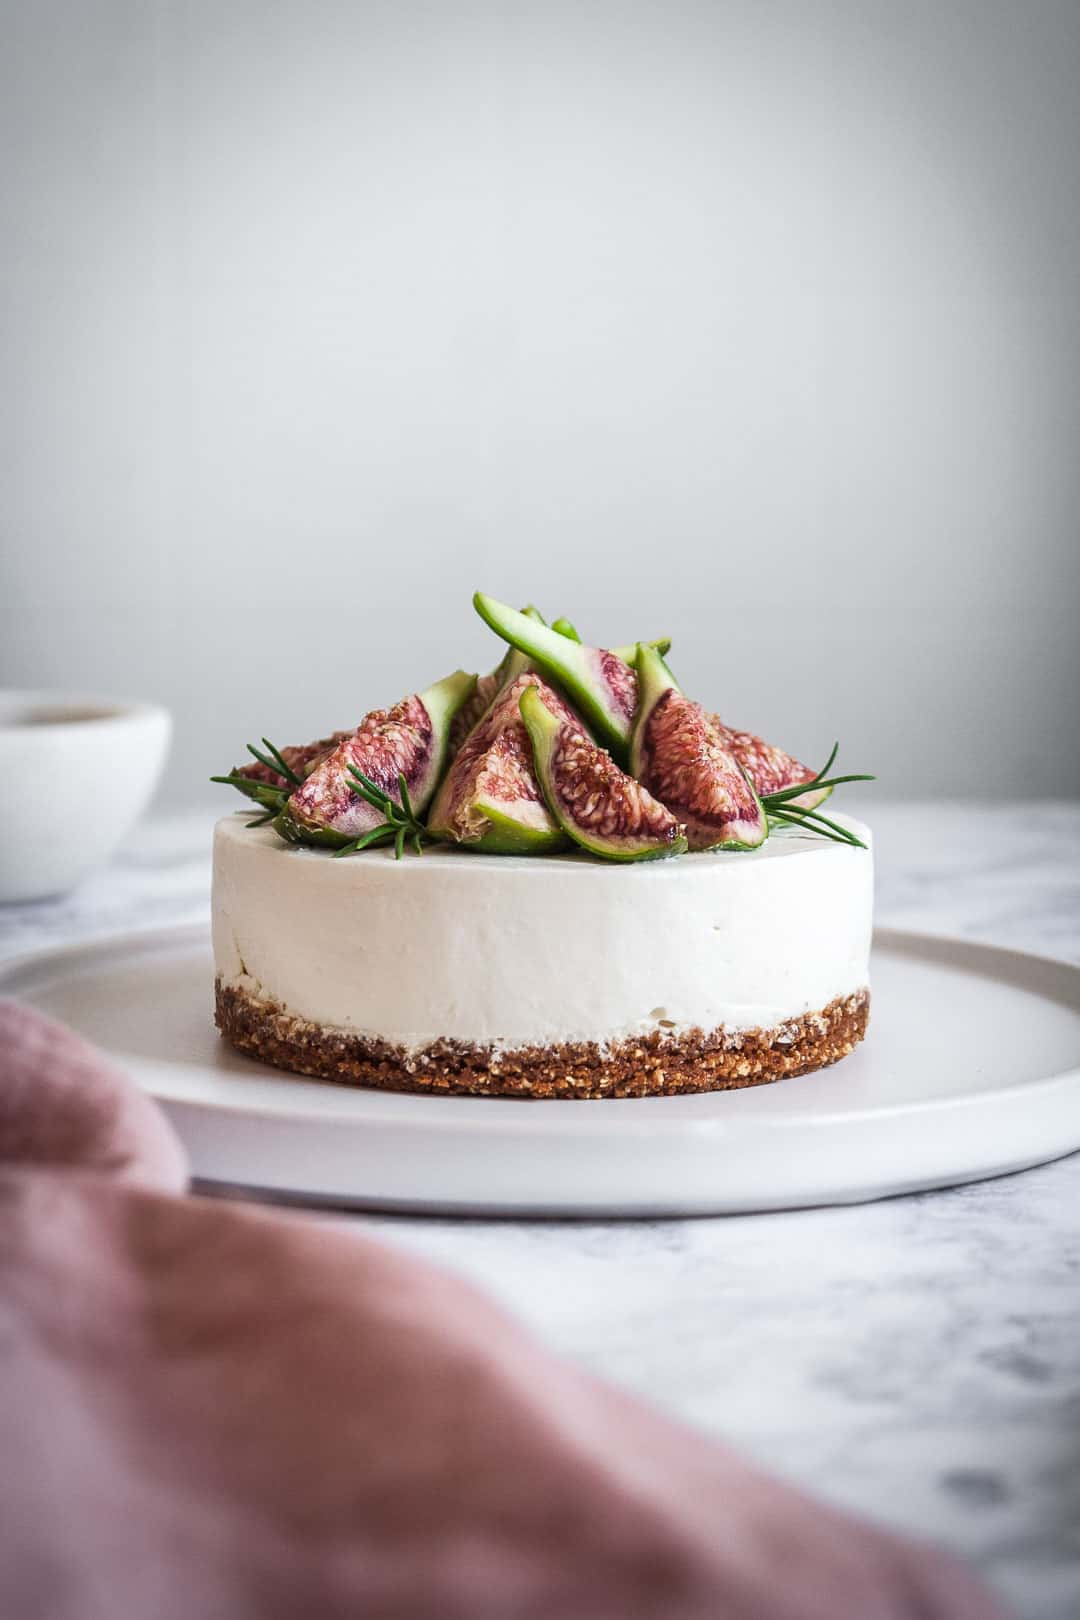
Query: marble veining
[[915, 1360]]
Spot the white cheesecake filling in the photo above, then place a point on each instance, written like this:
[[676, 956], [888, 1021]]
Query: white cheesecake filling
[[518, 951]]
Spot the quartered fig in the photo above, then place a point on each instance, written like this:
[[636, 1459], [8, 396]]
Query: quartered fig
[[679, 753], [769, 768], [597, 683], [483, 696], [410, 740], [596, 804], [488, 688], [490, 799], [301, 760]]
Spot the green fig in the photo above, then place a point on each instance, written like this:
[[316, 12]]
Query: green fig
[[769, 768], [490, 800], [595, 803], [488, 687], [407, 740], [627, 654], [598, 684], [679, 752]]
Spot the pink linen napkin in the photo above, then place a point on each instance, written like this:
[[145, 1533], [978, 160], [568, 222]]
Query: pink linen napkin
[[214, 1412]]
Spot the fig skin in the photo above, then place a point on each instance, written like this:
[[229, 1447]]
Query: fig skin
[[599, 685], [607, 812], [410, 738], [490, 800], [626, 655], [680, 754]]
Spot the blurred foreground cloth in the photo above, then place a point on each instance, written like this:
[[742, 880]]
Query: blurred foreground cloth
[[211, 1412]]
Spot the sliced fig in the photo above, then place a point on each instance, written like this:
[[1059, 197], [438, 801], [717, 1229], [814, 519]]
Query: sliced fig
[[769, 768], [484, 694], [597, 683], [301, 760], [680, 754], [488, 688], [490, 799], [410, 740], [595, 803]]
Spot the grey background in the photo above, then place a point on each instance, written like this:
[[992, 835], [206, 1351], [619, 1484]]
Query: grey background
[[755, 324]]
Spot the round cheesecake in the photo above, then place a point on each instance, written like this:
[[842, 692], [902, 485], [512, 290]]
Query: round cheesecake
[[559, 976]]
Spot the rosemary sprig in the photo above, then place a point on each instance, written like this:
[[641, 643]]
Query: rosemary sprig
[[266, 794], [811, 822], [782, 811], [783, 796], [270, 799], [401, 823], [244, 784], [376, 835], [276, 764]]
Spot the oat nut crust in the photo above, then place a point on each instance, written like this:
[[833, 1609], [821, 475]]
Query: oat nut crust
[[656, 1064]]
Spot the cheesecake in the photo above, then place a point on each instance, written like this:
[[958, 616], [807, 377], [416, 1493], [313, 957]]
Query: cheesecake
[[562, 879], [545, 976]]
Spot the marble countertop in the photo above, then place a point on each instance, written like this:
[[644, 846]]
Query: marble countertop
[[917, 1360]]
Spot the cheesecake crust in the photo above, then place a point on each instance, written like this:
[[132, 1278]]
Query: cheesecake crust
[[660, 1063]]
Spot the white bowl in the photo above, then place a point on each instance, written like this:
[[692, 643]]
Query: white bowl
[[76, 773]]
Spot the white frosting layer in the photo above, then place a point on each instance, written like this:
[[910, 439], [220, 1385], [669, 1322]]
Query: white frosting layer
[[524, 951]]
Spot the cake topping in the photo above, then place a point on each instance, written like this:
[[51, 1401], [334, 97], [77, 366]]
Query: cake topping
[[768, 768], [627, 654], [490, 798], [600, 686], [679, 754], [405, 744], [517, 762], [597, 804], [488, 687], [291, 765]]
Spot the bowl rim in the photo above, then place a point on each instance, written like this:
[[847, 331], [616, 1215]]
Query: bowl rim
[[64, 712]]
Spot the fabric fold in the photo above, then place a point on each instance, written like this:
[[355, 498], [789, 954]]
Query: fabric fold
[[216, 1411]]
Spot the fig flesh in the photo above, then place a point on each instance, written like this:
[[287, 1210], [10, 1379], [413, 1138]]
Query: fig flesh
[[680, 754], [301, 760], [490, 800], [599, 685], [595, 803], [769, 768], [484, 693], [409, 739]]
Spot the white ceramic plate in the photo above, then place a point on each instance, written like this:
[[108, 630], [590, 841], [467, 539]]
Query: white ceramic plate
[[971, 1069]]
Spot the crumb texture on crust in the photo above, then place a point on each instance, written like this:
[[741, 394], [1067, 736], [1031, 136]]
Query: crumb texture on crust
[[657, 1064]]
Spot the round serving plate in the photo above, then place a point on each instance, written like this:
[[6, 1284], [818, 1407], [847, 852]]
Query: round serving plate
[[971, 1069]]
